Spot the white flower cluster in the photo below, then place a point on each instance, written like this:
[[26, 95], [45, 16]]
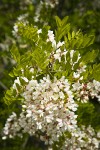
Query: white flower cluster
[[15, 31], [57, 54], [51, 38], [47, 4], [11, 123], [94, 89], [84, 139], [25, 3], [52, 4], [48, 109], [23, 17], [83, 91]]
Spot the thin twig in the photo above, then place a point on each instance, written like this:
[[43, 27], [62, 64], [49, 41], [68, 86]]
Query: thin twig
[[25, 142], [3, 86]]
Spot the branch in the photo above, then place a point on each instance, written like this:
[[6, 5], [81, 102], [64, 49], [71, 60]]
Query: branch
[[3, 86]]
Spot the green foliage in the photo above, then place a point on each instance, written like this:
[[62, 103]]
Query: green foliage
[[78, 41], [28, 32], [96, 71], [85, 113], [40, 57], [89, 113], [90, 56], [63, 28], [15, 54]]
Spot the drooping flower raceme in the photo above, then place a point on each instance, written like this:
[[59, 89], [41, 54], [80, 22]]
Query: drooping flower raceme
[[48, 4], [85, 91], [82, 139], [48, 108]]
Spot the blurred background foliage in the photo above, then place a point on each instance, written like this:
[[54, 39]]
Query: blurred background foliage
[[84, 15]]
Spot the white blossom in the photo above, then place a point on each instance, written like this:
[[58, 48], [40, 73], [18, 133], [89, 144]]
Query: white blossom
[[44, 109]]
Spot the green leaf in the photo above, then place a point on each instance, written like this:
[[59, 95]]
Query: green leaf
[[88, 40], [96, 72], [58, 21], [89, 56], [69, 36], [15, 53], [44, 33], [73, 34], [28, 32], [75, 56], [40, 57], [63, 28], [63, 31], [64, 21]]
